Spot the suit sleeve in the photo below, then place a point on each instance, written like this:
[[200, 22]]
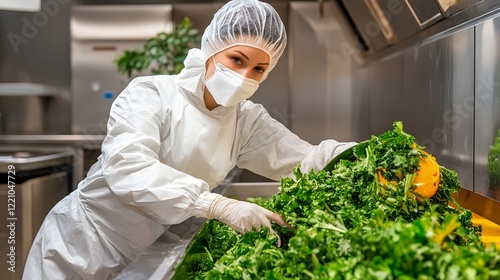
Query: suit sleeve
[[270, 149]]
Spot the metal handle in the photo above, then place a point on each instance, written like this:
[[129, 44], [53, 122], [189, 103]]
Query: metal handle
[[381, 19]]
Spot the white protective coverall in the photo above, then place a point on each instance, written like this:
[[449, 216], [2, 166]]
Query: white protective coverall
[[163, 153]]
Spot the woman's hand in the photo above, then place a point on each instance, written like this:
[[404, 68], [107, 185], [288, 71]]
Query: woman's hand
[[243, 216]]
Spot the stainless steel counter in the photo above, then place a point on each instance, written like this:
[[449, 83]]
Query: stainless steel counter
[[83, 148], [88, 141]]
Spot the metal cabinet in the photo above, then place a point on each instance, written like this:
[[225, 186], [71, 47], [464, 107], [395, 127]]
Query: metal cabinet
[[99, 34], [31, 183]]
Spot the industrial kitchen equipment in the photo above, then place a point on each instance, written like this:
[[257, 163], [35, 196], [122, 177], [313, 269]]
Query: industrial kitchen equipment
[[98, 35], [31, 183]]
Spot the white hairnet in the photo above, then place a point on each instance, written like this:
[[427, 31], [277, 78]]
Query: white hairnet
[[246, 22]]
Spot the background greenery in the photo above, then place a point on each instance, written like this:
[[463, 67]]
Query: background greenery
[[163, 54]]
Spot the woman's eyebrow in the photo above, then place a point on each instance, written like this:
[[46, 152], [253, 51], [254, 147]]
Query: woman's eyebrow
[[242, 54]]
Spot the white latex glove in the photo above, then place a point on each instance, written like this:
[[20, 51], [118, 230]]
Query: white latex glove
[[243, 216], [322, 154]]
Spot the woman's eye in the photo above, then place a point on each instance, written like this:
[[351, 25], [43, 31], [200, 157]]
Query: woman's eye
[[237, 60], [260, 69]]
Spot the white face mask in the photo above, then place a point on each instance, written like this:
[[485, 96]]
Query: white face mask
[[228, 88]]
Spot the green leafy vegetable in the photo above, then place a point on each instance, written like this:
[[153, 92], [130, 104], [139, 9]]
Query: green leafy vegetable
[[163, 54], [347, 225]]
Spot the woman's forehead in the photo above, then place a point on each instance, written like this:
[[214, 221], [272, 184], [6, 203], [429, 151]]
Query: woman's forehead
[[251, 52]]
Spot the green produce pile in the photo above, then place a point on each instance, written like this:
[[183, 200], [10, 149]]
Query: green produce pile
[[347, 225]]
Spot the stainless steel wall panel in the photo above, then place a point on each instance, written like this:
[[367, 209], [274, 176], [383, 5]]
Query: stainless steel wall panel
[[430, 89], [361, 113], [385, 94], [487, 106], [438, 89], [322, 96]]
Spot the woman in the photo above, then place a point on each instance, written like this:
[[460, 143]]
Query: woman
[[171, 140]]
